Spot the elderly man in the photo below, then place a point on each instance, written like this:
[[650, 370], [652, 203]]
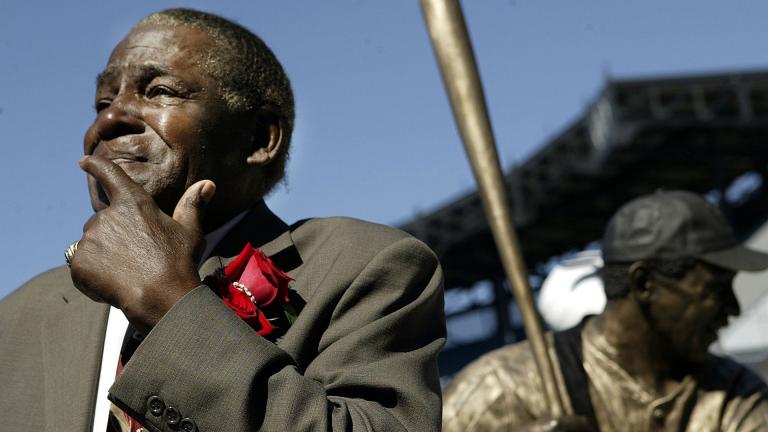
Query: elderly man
[[328, 324], [643, 364]]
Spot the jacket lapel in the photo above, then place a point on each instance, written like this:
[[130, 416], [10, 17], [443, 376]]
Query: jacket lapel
[[262, 229], [72, 344]]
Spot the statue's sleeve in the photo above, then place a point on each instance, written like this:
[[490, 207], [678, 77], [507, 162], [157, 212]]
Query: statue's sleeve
[[499, 391]]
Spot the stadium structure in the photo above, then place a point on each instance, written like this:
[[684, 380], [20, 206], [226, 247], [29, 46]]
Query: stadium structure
[[705, 133]]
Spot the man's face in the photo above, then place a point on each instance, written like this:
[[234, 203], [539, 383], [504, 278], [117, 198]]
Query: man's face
[[688, 312], [161, 117]]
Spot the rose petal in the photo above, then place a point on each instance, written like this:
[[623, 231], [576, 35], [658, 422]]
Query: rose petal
[[273, 274], [263, 291], [239, 302], [235, 268], [266, 326]]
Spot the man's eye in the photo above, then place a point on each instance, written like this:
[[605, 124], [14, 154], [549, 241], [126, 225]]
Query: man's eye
[[160, 90], [102, 104]]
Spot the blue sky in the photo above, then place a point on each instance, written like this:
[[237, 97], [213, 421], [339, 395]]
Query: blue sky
[[374, 136]]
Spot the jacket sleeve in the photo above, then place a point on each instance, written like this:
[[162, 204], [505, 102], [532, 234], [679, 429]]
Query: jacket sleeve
[[376, 367]]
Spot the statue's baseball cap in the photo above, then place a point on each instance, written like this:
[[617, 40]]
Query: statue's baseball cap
[[676, 224]]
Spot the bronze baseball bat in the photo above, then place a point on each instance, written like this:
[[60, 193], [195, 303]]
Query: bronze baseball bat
[[453, 49]]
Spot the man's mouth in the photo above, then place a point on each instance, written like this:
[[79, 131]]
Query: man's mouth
[[714, 328], [128, 159]]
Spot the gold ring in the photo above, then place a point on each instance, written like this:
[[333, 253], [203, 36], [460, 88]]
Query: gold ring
[[70, 252]]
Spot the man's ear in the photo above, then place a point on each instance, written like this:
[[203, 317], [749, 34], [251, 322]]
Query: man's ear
[[639, 281], [266, 138]]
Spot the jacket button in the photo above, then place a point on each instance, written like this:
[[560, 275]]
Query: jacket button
[[187, 425], [156, 405], [172, 416]]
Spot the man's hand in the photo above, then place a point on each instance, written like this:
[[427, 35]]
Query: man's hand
[[560, 424], [132, 255]]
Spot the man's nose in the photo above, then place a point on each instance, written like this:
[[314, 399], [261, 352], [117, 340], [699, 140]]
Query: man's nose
[[120, 118]]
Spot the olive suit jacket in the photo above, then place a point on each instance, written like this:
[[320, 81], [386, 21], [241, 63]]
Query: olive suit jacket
[[360, 356]]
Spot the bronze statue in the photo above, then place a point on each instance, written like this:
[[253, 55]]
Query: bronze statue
[[643, 364]]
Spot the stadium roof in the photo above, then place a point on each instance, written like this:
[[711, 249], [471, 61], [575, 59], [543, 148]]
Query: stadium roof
[[700, 133]]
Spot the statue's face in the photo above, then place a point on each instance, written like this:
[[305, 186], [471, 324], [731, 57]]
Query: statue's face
[[688, 312], [161, 117]]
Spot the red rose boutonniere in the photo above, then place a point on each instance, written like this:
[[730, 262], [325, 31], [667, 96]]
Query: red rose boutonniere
[[256, 290]]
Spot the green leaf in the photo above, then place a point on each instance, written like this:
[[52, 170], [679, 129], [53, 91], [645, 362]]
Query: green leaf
[[290, 313]]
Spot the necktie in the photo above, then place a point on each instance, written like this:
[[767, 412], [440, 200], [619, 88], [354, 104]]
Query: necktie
[[119, 420]]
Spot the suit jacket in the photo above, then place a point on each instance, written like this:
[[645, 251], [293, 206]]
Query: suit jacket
[[360, 356]]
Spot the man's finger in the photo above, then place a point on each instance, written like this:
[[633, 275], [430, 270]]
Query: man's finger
[[191, 207], [110, 176]]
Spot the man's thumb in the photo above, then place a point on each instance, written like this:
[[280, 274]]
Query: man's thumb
[[191, 207]]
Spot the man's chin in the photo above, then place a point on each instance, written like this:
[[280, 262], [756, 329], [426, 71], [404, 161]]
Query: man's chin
[[98, 206], [695, 356], [165, 199], [99, 198]]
